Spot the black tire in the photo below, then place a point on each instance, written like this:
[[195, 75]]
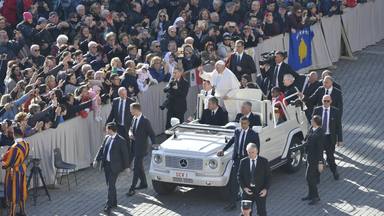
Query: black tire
[[163, 188], [295, 159]]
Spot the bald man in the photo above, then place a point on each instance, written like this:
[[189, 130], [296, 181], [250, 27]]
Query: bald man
[[329, 73], [331, 124], [120, 113], [311, 84], [327, 89]]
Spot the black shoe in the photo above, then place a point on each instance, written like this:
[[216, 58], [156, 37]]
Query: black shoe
[[314, 201], [230, 207], [305, 198], [131, 192], [336, 175], [107, 209], [141, 187]]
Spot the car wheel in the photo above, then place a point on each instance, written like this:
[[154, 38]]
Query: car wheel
[[295, 157], [163, 188]]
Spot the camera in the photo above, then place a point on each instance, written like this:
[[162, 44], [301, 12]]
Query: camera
[[167, 90], [269, 57]]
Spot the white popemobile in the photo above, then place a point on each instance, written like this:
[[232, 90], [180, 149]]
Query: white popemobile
[[188, 157]]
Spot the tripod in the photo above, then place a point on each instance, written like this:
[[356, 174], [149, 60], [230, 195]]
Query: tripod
[[35, 174]]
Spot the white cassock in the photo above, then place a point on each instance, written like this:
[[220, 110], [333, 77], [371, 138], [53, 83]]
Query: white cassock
[[224, 82]]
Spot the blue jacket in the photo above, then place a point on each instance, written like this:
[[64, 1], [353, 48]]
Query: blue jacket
[[10, 114]]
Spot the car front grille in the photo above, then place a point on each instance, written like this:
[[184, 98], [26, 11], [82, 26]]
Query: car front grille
[[183, 163]]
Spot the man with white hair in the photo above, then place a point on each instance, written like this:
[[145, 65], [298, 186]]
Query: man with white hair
[[120, 113], [80, 10], [61, 40], [223, 80], [290, 88], [92, 51], [36, 58]]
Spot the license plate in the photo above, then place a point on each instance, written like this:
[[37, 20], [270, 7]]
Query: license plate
[[182, 174]]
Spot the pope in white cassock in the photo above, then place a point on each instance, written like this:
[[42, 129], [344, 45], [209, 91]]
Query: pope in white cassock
[[223, 80]]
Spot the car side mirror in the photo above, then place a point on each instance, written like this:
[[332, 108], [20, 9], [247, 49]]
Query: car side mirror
[[175, 121], [257, 129]]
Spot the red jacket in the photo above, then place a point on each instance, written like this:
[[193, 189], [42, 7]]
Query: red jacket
[[9, 11]]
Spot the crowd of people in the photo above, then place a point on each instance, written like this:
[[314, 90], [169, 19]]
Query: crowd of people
[[61, 59]]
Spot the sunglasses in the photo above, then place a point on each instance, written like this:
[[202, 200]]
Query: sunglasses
[[163, 16], [326, 101]]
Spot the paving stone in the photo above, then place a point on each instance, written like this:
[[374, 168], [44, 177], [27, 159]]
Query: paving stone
[[359, 192]]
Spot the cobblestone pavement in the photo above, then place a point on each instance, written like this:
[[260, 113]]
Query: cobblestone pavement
[[360, 191]]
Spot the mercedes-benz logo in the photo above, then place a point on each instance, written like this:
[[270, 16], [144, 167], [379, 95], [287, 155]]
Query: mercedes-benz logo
[[183, 163]]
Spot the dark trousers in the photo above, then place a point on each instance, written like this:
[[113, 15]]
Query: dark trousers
[[313, 178], [260, 202], [138, 172], [233, 183], [175, 114], [110, 178], [329, 147]]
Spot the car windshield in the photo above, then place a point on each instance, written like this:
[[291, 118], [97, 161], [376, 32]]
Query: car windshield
[[201, 128]]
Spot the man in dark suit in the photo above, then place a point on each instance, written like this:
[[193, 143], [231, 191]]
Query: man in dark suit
[[246, 111], [139, 132], [120, 113], [327, 89], [254, 179], [214, 115], [239, 62], [113, 154], [281, 68], [242, 137], [314, 150], [332, 129], [290, 90], [329, 73], [177, 91], [311, 84]]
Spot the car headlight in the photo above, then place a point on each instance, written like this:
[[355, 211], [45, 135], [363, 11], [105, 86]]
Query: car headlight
[[212, 164], [157, 158]]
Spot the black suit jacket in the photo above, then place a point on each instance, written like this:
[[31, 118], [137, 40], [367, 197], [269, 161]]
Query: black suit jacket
[[262, 177], [314, 146], [178, 97], [311, 88], [246, 63], [119, 155], [142, 132], [220, 117], [316, 98], [290, 90], [114, 114], [254, 120], [335, 127], [284, 69], [251, 137]]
